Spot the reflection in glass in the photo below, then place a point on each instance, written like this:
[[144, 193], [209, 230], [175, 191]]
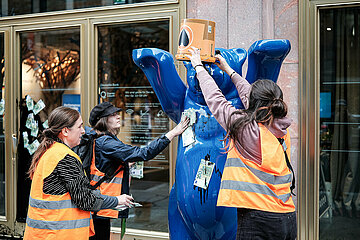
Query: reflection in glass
[[124, 84], [340, 123], [19, 7], [50, 77], [2, 125]]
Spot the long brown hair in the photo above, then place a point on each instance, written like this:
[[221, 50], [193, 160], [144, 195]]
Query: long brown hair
[[265, 104], [58, 119], [102, 126]]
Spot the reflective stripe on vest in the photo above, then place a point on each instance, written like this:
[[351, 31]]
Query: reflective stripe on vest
[[263, 176], [252, 187], [36, 203], [54, 216], [266, 187], [110, 188], [58, 225]]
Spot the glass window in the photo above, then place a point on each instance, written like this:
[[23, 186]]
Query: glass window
[[19, 7], [340, 123], [125, 85], [50, 77], [2, 126]]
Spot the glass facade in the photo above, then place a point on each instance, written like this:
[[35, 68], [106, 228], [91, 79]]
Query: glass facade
[[125, 85], [19, 7], [2, 126], [340, 123], [50, 77]]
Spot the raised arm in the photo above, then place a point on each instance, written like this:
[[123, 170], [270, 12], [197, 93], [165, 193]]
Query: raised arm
[[116, 150], [219, 106], [214, 98], [243, 87]]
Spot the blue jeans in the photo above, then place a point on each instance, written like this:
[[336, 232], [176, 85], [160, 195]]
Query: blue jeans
[[258, 225]]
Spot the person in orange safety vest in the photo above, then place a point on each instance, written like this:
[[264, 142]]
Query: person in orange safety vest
[[258, 178], [112, 157], [61, 198]]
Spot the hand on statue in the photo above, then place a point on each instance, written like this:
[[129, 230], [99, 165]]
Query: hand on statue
[[125, 199], [222, 64], [182, 126], [179, 129], [195, 56]]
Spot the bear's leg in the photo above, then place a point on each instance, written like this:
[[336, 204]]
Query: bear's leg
[[177, 227]]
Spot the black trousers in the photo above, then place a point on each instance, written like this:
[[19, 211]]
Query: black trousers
[[261, 225], [102, 229]]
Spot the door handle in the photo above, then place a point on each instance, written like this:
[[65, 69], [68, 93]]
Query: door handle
[[14, 142]]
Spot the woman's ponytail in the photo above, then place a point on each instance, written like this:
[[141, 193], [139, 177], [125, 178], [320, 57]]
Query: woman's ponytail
[[278, 108], [45, 143], [59, 118], [265, 105]]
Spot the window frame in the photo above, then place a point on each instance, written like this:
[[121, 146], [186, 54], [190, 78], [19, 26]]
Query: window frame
[[9, 153], [309, 113], [94, 9], [138, 18]]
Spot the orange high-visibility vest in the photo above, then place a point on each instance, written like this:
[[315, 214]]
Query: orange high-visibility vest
[[54, 216], [110, 188], [265, 186]]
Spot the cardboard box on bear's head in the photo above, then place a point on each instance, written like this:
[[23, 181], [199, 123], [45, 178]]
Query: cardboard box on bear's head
[[197, 33]]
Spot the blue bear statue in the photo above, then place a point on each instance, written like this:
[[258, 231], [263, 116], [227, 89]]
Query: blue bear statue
[[192, 212]]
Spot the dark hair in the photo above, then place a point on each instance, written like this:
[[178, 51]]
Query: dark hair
[[58, 119], [102, 126], [265, 104]]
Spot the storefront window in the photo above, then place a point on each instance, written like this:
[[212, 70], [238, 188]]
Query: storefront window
[[2, 126], [50, 77], [340, 123], [125, 85], [19, 7]]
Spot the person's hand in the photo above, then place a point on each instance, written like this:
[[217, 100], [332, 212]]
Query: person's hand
[[125, 199], [179, 129], [222, 64], [182, 126], [194, 57]]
